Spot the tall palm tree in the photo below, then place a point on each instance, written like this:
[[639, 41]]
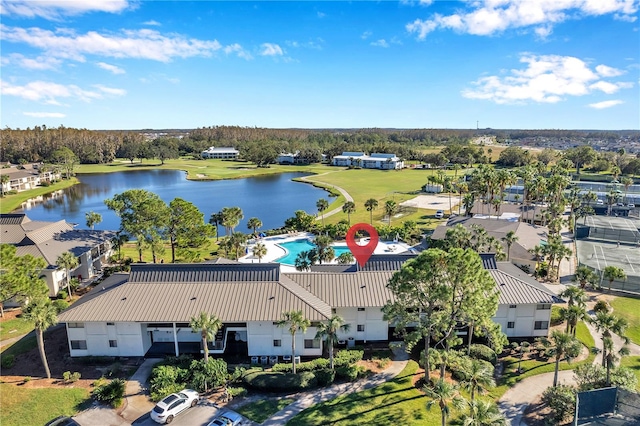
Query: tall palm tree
[[509, 239], [208, 325], [612, 273], [322, 205], [390, 208], [348, 208], [4, 179], [564, 346], [43, 315], [572, 314], [483, 413], [371, 204], [235, 243], [259, 251], [445, 395], [608, 324], [626, 182], [324, 251], [254, 223], [478, 376], [295, 321], [67, 261], [216, 219], [612, 357], [576, 296], [92, 218], [329, 332], [231, 217]]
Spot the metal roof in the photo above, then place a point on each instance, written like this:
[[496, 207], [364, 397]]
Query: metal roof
[[515, 291], [204, 272]]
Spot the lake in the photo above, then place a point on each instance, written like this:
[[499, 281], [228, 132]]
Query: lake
[[272, 199]]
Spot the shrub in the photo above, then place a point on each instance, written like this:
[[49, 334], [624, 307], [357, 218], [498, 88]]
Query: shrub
[[206, 375], [111, 393], [69, 377], [277, 382], [348, 357], [348, 372], [26, 379], [562, 400], [382, 363], [165, 380], [313, 365], [8, 361], [236, 391], [99, 382], [556, 317], [60, 305], [62, 294], [601, 306], [325, 376], [483, 352]]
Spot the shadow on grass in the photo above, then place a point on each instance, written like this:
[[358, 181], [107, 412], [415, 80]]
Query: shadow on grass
[[22, 346]]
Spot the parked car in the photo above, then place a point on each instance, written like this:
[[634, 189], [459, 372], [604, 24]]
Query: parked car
[[62, 421], [631, 206], [439, 214], [228, 418], [174, 404], [600, 202]]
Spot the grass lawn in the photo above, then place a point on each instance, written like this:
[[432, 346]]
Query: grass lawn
[[28, 407], [20, 347], [632, 362], [129, 250], [260, 411], [11, 202], [533, 367], [396, 402], [14, 327], [629, 309]]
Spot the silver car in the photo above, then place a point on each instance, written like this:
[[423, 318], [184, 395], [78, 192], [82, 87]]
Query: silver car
[[228, 418], [172, 405]]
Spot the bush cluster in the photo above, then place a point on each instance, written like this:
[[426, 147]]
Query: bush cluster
[[111, 393], [69, 377], [177, 373], [279, 382], [313, 365], [483, 352], [60, 304], [236, 391], [325, 376], [8, 361], [347, 357]]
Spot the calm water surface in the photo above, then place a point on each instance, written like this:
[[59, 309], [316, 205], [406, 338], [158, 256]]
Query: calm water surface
[[272, 199]]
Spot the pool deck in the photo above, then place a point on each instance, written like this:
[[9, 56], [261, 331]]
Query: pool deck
[[275, 251]]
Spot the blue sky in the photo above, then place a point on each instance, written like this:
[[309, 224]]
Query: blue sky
[[533, 64]]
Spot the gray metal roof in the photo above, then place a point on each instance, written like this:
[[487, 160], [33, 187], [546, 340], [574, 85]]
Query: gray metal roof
[[204, 272], [515, 291]]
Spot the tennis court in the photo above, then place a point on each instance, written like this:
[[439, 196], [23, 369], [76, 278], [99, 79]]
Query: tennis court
[[615, 229]]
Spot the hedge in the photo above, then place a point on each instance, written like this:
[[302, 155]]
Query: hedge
[[348, 357], [278, 381], [483, 352], [313, 365]]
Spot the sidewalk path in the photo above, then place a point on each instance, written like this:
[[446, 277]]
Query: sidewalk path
[[137, 392], [308, 399], [344, 193]]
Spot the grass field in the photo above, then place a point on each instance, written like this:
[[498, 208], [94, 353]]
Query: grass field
[[632, 362], [396, 402], [14, 327], [259, 411], [629, 309], [11, 202], [28, 407]]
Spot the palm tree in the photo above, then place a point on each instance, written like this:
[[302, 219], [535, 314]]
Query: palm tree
[[576, 296], [259, 251], [564, 346], [572, 314], [509, 239], [254, 223], [348, 208], [4, 179], [445, 395], [611, 357], [612, 273], [92, 218], [43, 315], [478, 376], [322, 205], [626, 182], [67, 261], [118, 240], [608, 324], [325, 252], [345, 258], [483, 413], [216, 219], [390, 208], [235, 243], [329, 332], [208, 326], [231, 217], [296, 321], [371, 204]]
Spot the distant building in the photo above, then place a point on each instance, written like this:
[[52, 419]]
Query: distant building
[[223, 153], [29, 176], [373, 161]]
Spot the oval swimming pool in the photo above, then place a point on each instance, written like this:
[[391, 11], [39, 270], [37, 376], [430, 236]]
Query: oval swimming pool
[[296, 247]]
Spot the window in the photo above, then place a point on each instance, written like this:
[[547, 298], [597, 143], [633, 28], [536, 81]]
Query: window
[[75, 324], [543, 306], [334, 310], [78, 344], [312, 343], [541, 325], [113, 343], [110, 323], [511, 324], [512, 306], [360, 327], [360, 309], [277, 343]]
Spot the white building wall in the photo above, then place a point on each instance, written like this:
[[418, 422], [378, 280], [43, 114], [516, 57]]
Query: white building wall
[[261, 336], [128, 337], [375, 328], [524, 318]]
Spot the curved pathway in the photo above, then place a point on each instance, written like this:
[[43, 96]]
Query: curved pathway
[[342, 191]]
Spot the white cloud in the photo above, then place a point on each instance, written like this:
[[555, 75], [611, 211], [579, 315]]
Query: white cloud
[[321, 15], [546, 79], [47, 92], [140, 44], [55, 9], [271, 49], [494, 16], [606, 104], [365, 35], [152, 23], [238, 50], [312, 44], [606, 71], [380, 43], [110, 90], [45, 114], [38, 63], [111, 68]]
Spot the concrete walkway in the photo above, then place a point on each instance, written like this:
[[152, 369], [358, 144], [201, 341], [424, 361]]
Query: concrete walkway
[[344, 193], [307, 399], [137, 392]]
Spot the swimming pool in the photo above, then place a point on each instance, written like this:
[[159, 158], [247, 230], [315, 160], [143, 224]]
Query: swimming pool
[[298, 246]]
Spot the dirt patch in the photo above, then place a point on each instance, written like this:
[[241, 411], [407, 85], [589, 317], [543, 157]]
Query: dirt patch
[[11, 314]]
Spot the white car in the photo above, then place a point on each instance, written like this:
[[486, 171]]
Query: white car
[[600, 202], [631, 206], [439, 214], [228, 418], [172, 405]]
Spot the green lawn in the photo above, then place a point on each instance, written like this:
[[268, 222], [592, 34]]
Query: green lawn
[[632, 362], [22, 346], [629, 309], [396, 402], [28, 407], [11, 202], [14, 327], [260, 411]]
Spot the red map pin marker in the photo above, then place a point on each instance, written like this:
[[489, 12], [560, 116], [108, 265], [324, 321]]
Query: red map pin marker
[[362, 253]]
